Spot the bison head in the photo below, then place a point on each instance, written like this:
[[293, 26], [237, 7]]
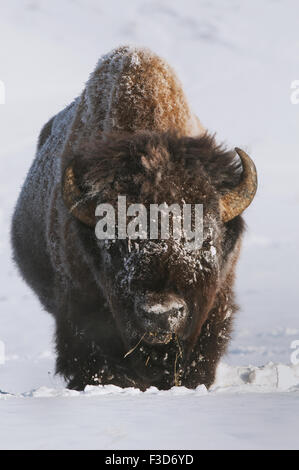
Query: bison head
[[160, 292]]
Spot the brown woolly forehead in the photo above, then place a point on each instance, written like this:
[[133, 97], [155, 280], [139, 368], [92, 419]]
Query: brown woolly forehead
[[152, 167]]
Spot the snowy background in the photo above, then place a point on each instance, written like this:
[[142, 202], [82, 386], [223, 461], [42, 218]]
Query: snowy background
[[236, 61]]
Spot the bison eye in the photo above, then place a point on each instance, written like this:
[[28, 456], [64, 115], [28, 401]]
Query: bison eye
[[207, 243], [116, 247], [109, 246]]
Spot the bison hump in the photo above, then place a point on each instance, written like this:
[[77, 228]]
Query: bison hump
[[133, 89]]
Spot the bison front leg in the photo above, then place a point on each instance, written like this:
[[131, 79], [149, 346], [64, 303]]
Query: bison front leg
[[210, 347], [82, 361]]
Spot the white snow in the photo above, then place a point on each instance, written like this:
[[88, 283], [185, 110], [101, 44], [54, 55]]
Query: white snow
[[237, 61], [162, 308]]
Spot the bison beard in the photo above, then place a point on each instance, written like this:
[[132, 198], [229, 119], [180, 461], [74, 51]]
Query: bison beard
[[104, 294]]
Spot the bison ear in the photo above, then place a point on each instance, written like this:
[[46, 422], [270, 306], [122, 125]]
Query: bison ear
[[235, 201], [77, 202]]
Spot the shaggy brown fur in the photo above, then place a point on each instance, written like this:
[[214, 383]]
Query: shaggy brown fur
[[131, 89], [148, 157], [131, 132]]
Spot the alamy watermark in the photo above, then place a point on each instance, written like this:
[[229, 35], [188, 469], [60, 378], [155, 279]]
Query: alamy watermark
[[2, 92], [162, 222], [295, 93], [2, 353], [295, 354]]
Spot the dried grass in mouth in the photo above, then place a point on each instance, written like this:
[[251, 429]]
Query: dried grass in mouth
[[136, 346], [179, 354]]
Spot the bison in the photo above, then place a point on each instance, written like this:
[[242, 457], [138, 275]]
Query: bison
[[147, 312]]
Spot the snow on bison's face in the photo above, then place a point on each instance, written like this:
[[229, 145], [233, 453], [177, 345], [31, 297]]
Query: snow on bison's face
[[160, 291]]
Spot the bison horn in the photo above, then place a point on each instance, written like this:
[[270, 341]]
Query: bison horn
[[74, 199], [235, 202]]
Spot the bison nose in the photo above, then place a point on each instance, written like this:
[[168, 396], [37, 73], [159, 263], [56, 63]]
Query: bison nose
[[161, 315], [173, 307]]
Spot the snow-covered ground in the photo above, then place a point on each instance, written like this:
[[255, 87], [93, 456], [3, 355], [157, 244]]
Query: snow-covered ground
[[237, 61]]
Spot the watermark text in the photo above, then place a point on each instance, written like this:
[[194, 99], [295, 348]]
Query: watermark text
[[162, 222], [295, 354], [2, 353], [2, 92], [295, 93]]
